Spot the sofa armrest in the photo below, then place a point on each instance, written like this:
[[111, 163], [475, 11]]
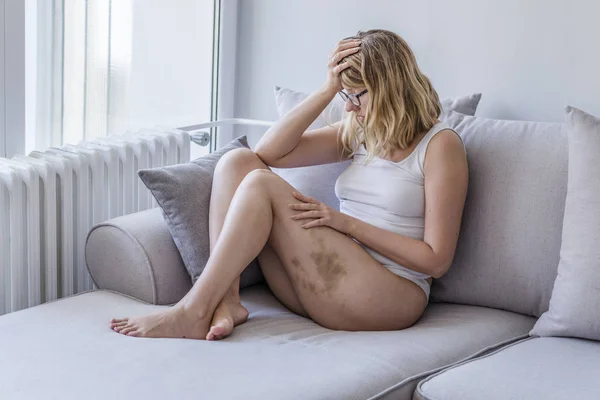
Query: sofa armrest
[[135, 255]]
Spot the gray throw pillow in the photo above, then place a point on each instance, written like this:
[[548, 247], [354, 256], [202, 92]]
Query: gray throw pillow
[[319, 181], [575, 302], [183, 192]]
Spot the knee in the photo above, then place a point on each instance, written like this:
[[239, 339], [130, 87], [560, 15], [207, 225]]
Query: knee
[[238, 161], [260, 178]]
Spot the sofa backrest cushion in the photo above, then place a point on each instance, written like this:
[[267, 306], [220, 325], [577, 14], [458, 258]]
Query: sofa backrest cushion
[[575, 304], [510, 237]]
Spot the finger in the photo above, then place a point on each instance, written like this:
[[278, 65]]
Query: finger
[[303, 207], [341, 67], [341, 55], [308, 214], [336, 53], [349, 45], [348, 41], [300, 197], [304, 198], [313, 224]]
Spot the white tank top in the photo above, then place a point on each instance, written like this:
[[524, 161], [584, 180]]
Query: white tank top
[[391, 196]]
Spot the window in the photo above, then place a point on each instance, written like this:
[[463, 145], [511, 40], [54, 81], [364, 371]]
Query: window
[[12, 71], [100, 67], [2, 91]]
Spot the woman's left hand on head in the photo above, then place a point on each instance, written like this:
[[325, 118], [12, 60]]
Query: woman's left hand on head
[[319, 214]]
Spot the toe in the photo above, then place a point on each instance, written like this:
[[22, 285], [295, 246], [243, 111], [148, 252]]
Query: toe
[[217, 330], [215, 333], [126, 331], [116, 323], [122, 327], [119, 325]]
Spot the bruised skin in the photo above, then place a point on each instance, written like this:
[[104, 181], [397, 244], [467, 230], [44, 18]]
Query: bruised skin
[[329, 268]]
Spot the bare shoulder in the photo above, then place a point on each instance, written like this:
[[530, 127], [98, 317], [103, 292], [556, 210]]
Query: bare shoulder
[[444, 148], [447, 139]]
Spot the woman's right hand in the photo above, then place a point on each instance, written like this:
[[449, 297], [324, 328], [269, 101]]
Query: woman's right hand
[[343, 49]]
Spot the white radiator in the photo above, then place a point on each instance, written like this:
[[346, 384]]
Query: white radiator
[[50, 200]]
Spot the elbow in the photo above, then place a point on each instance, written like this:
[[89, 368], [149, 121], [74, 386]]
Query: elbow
[[269, 160], [260, 153], [439, 268], [437, 273]]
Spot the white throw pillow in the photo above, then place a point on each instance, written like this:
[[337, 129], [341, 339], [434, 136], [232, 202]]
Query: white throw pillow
[[575, 302], [286, 99]]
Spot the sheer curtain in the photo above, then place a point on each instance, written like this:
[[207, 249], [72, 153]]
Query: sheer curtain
[[111, 66]]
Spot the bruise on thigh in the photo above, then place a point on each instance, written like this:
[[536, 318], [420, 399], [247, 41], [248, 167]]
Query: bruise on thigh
[[329, 268], [302, 277], [329, 263]]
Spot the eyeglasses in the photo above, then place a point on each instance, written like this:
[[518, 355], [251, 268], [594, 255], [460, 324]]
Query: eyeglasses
[[354, 98]]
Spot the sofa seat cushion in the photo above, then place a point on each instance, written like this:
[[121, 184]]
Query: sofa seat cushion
[[65, 349], [538, 368]]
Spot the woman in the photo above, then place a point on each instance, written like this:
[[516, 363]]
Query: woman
[[366, 267]]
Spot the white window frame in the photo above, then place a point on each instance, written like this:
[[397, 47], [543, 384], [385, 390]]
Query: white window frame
[[2, 94], [49, 57], [226, 13]]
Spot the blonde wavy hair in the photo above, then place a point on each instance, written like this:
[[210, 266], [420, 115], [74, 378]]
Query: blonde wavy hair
[[402, 103]]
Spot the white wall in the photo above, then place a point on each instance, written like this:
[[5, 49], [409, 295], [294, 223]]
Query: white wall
[[529, 58]]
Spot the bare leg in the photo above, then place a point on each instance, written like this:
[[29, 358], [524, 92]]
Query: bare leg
[[250, 212], [337, 281], [230, 172], [279, 281], [244, 234]]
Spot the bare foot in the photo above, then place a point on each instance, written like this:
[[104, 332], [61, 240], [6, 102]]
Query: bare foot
[[175, 322], [226, 316]]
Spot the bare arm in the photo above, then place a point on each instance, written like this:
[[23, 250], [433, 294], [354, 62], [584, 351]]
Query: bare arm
[[288, 144], [446, 180]]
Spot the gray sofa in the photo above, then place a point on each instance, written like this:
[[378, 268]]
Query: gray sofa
[[472, 342]]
